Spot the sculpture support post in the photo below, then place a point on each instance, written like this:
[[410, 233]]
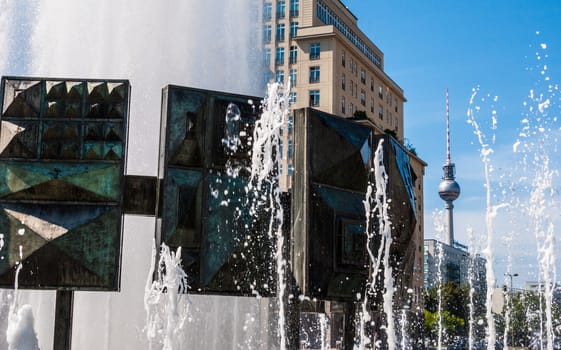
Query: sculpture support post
[[63, 320]]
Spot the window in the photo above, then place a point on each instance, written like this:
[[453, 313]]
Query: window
[[381, 112], [267, 11], [343, 104], [267, 56], [290, 169], [267, 33], [314, 74], [352, 88], [292, 98], [314, 98], [279, 76], [281, 8], [371, 84], [290, 148], [280, 32], [371, 105], [290, 125], [293, 58], [314, 51], [351, 109], [343, 60], [343, 81], [380, 91], [293, 75], [279, 56], [294, 8], [293, 29], [363, 97], [362, 76]]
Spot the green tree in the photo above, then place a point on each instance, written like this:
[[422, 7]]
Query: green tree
[[360, 115], [525, 317], [455, 306], [450, 325]]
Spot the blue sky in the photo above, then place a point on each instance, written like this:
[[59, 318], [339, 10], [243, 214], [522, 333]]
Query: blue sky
[[460, 45]]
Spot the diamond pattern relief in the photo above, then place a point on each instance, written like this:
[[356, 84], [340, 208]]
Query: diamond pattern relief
[[62, 156]]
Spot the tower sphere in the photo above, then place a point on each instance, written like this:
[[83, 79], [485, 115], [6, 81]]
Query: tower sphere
[[449, 190]]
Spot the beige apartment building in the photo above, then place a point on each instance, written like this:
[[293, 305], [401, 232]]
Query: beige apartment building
[[334, 67]]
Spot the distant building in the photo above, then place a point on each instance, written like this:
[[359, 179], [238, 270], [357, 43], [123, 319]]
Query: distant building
[[454, 267]]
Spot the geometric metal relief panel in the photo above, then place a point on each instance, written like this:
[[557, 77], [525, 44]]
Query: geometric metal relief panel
[[62, 164], [204, 209], [328, 237], [328, 240]]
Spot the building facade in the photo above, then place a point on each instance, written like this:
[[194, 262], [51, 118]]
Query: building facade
[[335, 68], [454, 266]]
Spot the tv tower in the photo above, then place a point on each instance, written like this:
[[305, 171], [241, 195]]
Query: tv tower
[[449, 190]]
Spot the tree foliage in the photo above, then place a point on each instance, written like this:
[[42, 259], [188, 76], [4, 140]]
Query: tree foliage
[[456, 311], [527, 319]]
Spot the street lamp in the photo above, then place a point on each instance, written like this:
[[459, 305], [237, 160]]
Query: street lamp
[[511, 275]]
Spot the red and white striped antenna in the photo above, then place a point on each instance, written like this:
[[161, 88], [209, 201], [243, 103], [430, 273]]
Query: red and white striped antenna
[[447, 129]]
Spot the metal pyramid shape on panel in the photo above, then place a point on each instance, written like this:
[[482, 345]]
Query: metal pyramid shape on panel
[[337, 145], [178, 181], [80, 232], [53, 221], [19, 139], [56, 90], [58, 181], [40, 270], [19, 241], [22, 99], [225, 228], [91, 244]]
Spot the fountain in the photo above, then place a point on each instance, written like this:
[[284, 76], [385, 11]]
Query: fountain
[[133, 33], [115, 319]]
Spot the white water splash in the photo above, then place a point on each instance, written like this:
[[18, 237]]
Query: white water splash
[[539, 140], [5, 17], [266, 160], [471, 280], [166, 312], [324, 327], [440, 228], [20, 333], [377, 206], [491, 212], [403, 322]]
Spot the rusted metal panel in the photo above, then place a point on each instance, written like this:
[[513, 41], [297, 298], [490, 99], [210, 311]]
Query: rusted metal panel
[[62, 164]]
